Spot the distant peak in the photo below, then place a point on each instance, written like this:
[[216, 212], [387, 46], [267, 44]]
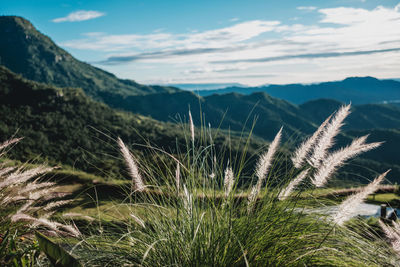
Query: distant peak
[[365, 78]]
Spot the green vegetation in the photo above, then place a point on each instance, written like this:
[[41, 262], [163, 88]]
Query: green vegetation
[[195, 208], [53, 124], [64, 126], [28, 52], [199, 219], [190, 197]]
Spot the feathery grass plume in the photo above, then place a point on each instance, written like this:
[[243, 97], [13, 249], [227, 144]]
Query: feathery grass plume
[[291, 186], [137, 220], [187, 201], [10, 142], [191, 126], [6, 170], [57, 204], [326, 140], [348, 206], [42, 221], [392, 234], [265, 161], [20, 177], [337, 159], [137, 181], [36, 186], [302, 151], [178, 176], [229, 181], [70, 229], [251, 199]]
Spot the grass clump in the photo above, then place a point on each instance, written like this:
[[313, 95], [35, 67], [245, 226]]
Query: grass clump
[[198, 208]]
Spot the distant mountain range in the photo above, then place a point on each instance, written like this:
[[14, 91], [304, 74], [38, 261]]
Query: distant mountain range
[[64, 126], [357, 90], [205, 86]]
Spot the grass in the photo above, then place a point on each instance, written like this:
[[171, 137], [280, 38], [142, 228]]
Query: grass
[[387, 198], [191, 216], [197, 222]]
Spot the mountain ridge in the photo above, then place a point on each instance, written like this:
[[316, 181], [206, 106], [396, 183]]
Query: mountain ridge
[[26, 51], [357, 90]]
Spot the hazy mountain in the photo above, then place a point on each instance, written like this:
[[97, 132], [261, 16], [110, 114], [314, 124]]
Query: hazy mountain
[[224, 111], [362, 117], [357, 90], [205, 86], [26, 51]]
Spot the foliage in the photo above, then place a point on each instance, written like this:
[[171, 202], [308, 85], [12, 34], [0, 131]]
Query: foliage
[[192, 218], [64, 126], [28, 52], [56, 254], [17, 250]]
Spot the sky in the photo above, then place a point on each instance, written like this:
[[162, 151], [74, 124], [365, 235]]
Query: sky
[[251, 42]]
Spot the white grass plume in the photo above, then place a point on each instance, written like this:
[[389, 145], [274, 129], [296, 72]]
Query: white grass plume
[[42, 221], [392, 233], [292, 185], [191, 126], [251, 199], [137, 181], [19, 177], [187, 201], [348, 206], [178, 176], [302, 151], [326, 140], [6, 170], [265, 161], [229, 181], [57, 204], [338, 158], [9, 142], [138, 220]]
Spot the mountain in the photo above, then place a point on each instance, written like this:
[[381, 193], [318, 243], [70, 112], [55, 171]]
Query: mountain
[[26, 51], [230, 111], [362, 117], [204, 86], [357, 90], [65, 126]]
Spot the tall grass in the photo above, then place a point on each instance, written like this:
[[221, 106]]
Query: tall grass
[[26, 198], [197, 209], [27, 204]]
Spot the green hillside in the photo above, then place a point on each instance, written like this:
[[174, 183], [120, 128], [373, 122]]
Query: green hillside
[[26, 51], [65, 126], [227, 111], [363, 117]]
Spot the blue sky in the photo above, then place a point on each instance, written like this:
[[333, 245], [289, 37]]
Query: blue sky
[[251, 42]]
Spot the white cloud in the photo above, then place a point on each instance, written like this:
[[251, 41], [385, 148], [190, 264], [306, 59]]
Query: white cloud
[[346, 41], [213, 38], [80, 15], [307, 8]]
